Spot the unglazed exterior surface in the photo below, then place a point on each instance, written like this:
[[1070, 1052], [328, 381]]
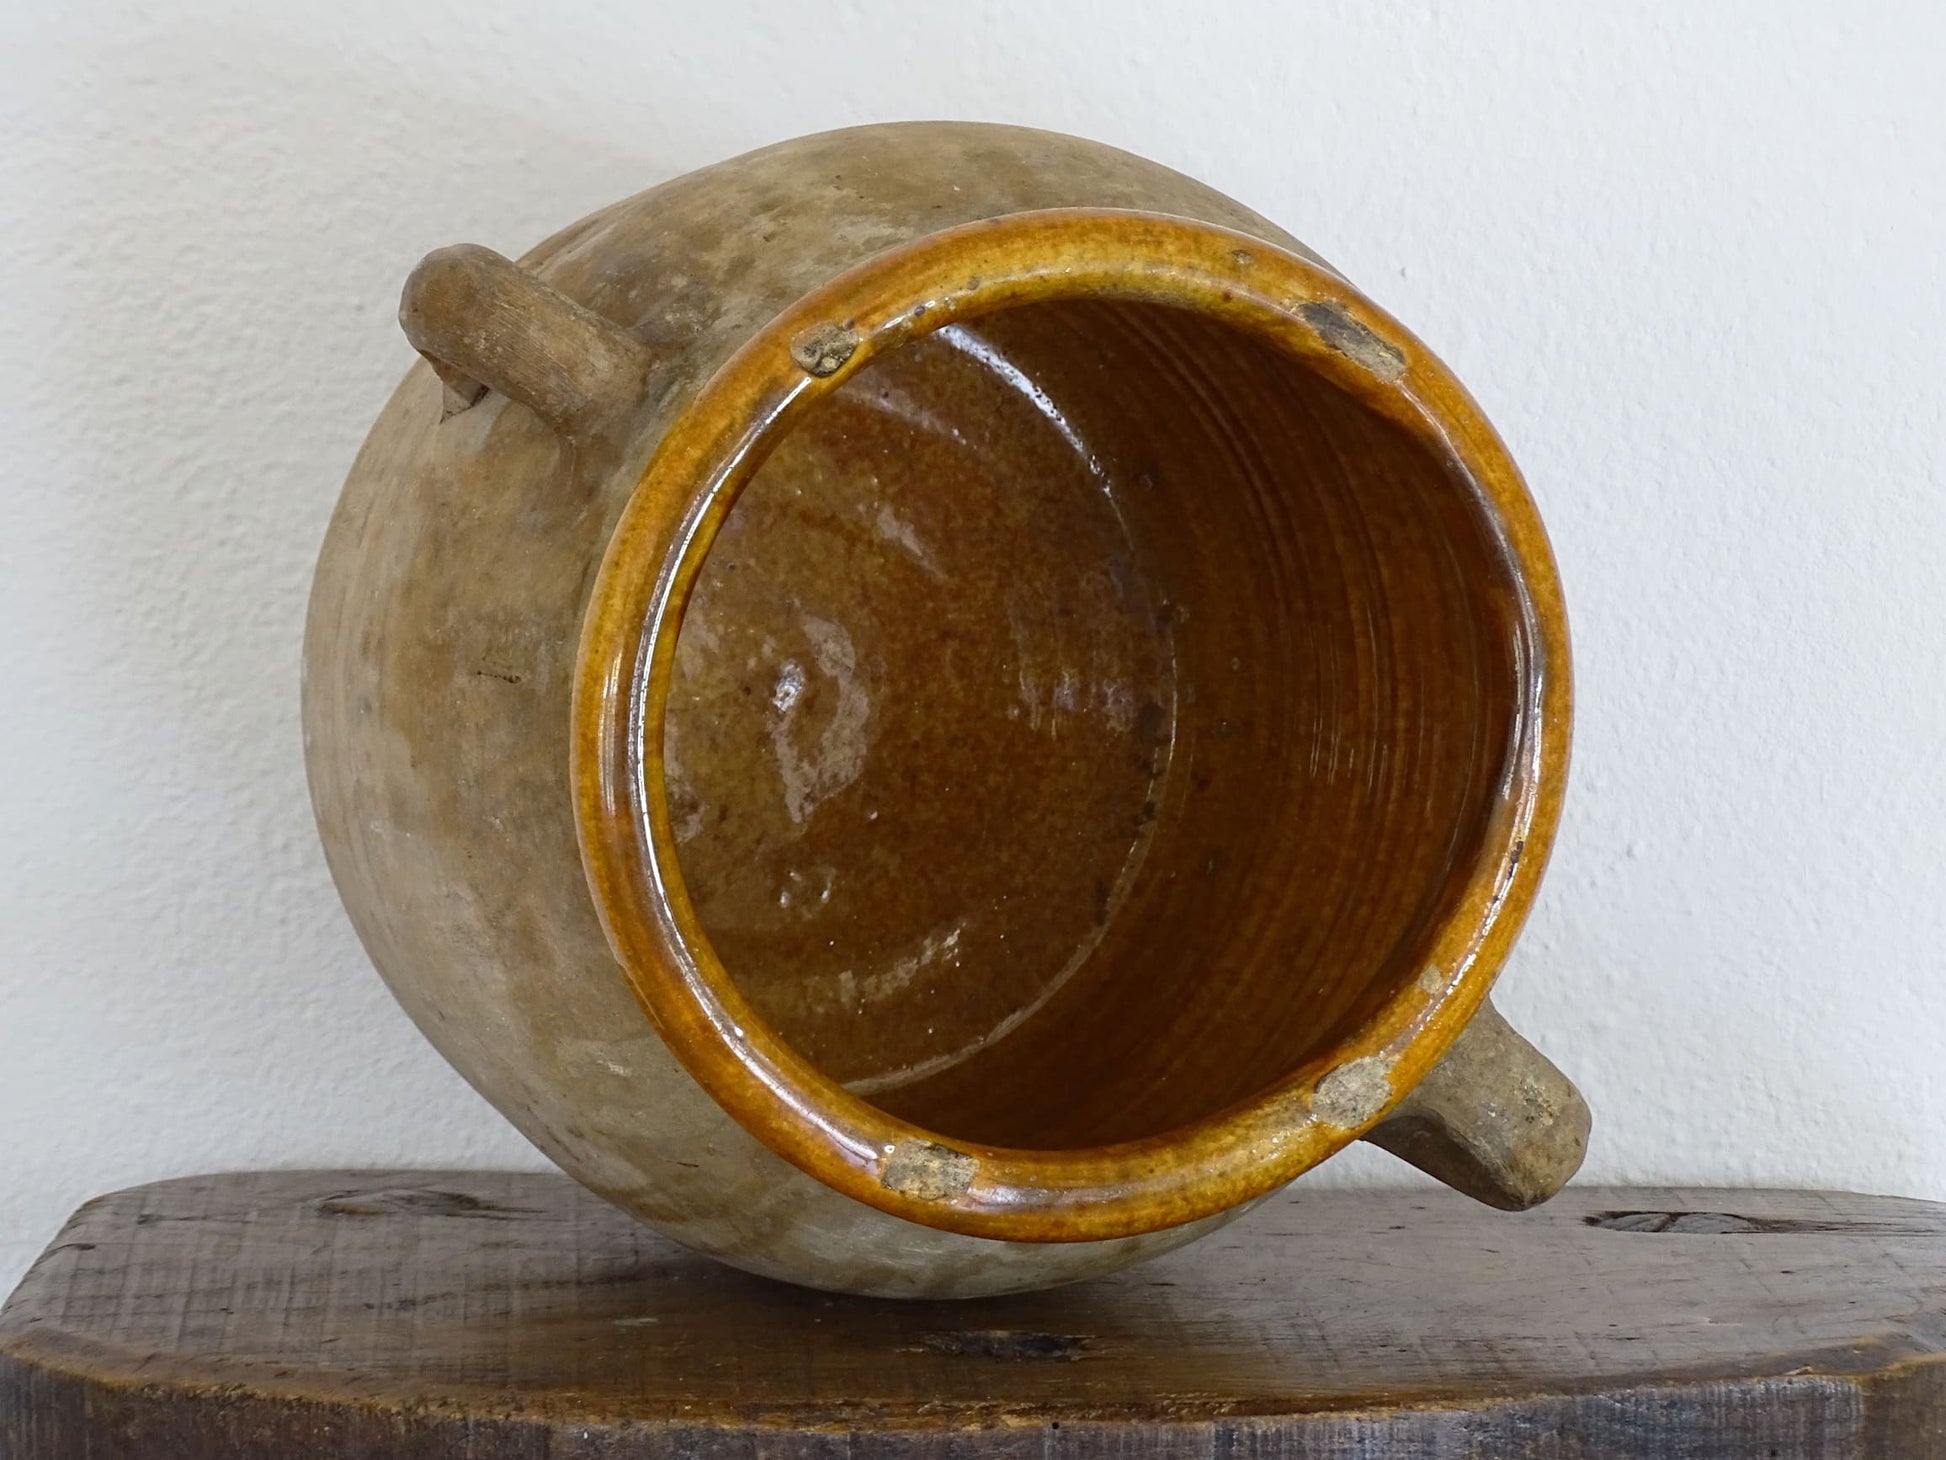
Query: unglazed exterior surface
[[934, 709]]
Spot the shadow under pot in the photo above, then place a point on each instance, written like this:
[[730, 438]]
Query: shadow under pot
[[935, 709]]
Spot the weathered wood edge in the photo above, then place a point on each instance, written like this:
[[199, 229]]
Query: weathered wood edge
[[51, 1414], [69, 1397]]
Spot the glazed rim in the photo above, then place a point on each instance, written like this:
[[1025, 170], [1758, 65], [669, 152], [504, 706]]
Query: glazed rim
[[623, 674]]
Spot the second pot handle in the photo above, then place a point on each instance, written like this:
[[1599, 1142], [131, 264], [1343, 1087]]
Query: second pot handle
[[1494, 1119], [483, 322]]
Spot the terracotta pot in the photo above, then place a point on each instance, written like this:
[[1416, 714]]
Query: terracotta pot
[[935, 709]]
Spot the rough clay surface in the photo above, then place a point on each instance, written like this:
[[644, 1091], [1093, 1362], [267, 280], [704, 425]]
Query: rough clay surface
[[1681, 256]]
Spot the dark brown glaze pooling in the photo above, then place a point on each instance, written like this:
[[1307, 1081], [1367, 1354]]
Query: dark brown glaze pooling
[[1081, 717]]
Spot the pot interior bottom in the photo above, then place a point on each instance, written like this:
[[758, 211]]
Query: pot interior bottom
[[924, 697], [1083, 716]]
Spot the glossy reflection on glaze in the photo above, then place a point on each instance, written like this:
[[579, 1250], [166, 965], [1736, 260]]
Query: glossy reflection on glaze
[[922, 704], [1083, 717]]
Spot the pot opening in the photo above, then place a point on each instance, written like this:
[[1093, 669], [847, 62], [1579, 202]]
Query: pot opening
[[1087, 716]]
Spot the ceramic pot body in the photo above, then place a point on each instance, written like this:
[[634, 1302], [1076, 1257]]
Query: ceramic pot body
[[934, 709]]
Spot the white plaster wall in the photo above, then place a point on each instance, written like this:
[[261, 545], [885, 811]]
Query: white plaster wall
[[1689, 257]]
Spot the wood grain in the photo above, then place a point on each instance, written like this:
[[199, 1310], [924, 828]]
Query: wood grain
[[431, 1314]]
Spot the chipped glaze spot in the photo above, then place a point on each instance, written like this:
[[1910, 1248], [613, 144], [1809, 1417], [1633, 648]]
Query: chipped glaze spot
[[1352, 1095], [927, 1171]]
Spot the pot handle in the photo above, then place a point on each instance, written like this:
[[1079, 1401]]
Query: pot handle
[[484, 323], [1494, 1119]]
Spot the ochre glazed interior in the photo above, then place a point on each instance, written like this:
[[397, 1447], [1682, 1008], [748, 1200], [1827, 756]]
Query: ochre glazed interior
[[1085, 717]]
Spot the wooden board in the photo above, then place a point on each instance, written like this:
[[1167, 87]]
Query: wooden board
[[431, 1314]]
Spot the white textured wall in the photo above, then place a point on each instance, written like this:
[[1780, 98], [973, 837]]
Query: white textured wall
[[1689, 256]]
